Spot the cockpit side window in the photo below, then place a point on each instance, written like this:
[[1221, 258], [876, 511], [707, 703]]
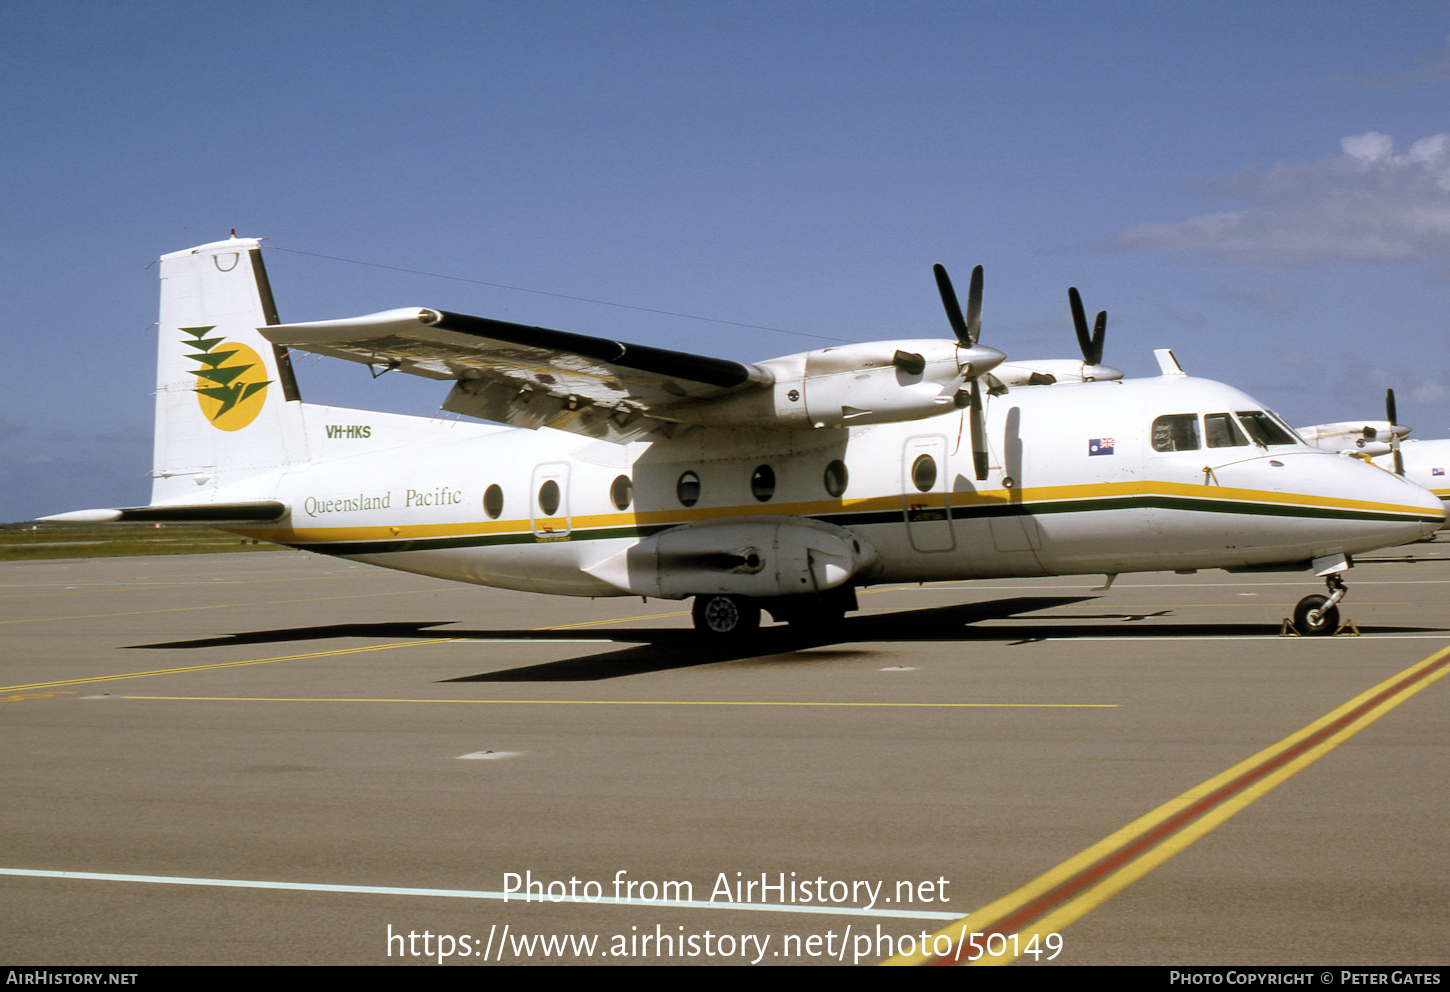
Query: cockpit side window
[[1222, 431], [1176, 432], [1264, 429]]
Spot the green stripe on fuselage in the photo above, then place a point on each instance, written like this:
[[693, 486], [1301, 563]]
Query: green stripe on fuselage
[[881, 517]]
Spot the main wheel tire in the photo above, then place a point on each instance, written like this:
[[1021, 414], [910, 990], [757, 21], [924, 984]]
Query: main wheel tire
[[1322, 622], [725, 616]]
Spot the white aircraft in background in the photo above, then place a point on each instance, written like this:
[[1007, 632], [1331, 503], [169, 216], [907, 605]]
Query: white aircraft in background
[[1385, 443], [783, 485]]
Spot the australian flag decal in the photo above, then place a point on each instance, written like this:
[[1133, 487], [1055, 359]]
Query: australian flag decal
[[1437, 471], [1100, 446]]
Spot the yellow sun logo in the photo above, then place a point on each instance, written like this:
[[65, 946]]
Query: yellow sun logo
[[230, 388]]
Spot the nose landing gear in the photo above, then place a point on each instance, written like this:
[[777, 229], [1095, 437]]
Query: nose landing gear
[[1318, 616]]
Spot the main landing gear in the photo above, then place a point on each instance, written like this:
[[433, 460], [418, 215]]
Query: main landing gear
[[719, 615], [1318, 616], [723, 616]]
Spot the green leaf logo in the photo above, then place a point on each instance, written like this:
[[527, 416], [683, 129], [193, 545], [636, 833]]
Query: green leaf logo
[[230, 386]]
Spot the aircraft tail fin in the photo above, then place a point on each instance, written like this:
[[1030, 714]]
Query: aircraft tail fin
[[228, 414]]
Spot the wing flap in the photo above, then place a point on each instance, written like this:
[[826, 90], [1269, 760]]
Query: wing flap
[[509, 403]]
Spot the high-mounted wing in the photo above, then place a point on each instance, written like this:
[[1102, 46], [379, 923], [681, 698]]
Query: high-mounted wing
[[535, 377], [529, 376]]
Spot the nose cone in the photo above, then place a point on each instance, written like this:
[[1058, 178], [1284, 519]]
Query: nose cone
[[1432, 508], [1389, 509]]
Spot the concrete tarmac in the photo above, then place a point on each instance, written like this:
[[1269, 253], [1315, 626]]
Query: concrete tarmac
[[285, 759]]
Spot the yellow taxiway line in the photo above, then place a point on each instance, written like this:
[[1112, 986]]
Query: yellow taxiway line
[[1028, 917]]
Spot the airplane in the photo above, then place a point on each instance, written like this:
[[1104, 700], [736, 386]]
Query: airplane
[[781, 486]]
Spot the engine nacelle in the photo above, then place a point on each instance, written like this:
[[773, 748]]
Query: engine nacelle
[[1369, 437], [1045, 372], [876, 382]]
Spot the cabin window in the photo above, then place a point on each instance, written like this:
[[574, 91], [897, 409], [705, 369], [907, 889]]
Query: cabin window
[[762, 483], [1264, 429], [836, 478], [621, 493], [1176, 432], [687, 490], [549, 498], [923, 473], [1222, 431], [493, 502]]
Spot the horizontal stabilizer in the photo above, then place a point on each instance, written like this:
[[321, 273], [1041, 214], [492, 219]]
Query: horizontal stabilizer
[[262, 511]]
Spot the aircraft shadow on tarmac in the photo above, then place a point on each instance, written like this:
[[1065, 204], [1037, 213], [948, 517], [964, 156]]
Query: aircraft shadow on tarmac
[[655, 649]]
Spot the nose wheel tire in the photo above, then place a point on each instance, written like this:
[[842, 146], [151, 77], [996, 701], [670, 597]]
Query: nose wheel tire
[[1311, 618], [725, 616]]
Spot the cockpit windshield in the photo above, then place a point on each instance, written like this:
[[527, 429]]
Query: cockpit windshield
[[1182, 431], [1265, 429]]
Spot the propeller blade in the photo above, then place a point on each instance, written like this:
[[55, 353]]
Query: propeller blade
[[1394, 435], [1091, 345], [1079, 321], [953, 308], [974, 305], [979, 432]]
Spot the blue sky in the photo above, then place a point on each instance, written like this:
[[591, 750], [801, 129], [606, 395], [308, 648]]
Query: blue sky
[[1263, 187]]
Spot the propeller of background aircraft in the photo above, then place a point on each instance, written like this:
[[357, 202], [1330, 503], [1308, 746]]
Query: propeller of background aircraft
[[1394, 435], [967, 329]]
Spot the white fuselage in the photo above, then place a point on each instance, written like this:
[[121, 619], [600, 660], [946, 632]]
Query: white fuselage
[[1076, 485]]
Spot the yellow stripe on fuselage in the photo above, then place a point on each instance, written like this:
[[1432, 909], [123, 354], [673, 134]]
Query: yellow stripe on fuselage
[[1042, 496]]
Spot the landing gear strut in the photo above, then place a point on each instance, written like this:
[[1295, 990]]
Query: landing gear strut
[[1318, 616]]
